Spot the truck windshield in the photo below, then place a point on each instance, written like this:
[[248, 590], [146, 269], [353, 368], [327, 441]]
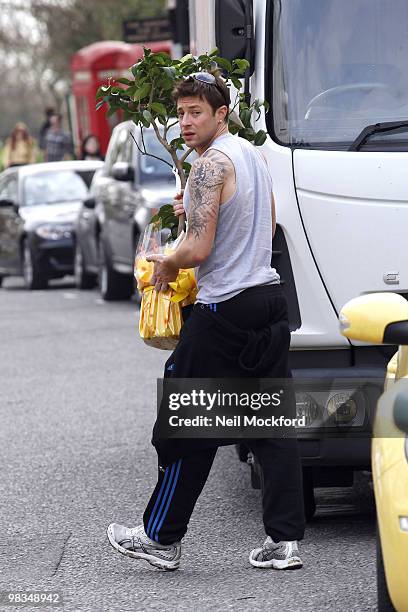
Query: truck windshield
[[338, 66]]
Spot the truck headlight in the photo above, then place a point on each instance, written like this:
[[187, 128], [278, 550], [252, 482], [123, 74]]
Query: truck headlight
[[54, 231], [341, 408]]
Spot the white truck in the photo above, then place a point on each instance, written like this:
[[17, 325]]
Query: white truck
[[335, 75]]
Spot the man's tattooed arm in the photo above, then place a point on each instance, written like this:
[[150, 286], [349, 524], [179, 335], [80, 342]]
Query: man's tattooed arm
[[207, 178]]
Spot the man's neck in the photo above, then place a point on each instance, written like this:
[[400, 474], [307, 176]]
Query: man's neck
[[221, 131]]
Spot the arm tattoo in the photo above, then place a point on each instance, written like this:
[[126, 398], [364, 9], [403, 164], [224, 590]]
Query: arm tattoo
[[207, 178]]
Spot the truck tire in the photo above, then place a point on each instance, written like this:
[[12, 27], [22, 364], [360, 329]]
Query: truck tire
[[34, 277], [384, 603], [113, 285], [309, 500]]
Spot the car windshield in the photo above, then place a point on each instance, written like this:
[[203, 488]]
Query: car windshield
[[338, 66], [56, 186], [152, 169]]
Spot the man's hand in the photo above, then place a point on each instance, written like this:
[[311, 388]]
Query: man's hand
[[178, 204], [165, 271]]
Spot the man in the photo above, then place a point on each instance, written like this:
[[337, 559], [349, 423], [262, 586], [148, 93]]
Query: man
[[238, 328], [49, 112], [58, 145]]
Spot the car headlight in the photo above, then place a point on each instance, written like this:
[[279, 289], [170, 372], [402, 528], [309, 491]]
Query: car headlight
[[54, 231], [307, 408]]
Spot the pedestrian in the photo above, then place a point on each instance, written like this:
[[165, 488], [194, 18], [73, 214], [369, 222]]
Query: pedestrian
[[240, 308], [91, 148], [45, 127], [19, 148], [58, 144]]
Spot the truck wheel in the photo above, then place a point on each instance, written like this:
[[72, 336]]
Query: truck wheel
[[34, 277], [83, 280], [384, 603], [113, 285], [308, 494]]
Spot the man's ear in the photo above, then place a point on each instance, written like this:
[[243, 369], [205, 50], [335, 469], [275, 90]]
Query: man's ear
[[221, 113]]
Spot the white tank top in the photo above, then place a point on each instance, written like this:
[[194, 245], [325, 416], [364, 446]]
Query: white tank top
[[242, 249]]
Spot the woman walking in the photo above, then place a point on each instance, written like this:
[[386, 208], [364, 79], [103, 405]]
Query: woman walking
[[19, 148]]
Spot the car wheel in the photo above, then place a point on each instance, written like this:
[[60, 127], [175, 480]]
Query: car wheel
[[384, 603], [309, 501], [34, 277], [113, 285], [83, 279]]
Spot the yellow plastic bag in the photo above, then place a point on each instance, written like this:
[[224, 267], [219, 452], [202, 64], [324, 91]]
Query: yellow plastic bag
[[160, 311]]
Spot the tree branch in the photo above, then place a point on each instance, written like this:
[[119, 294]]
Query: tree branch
[[148, 154], [186, 154]]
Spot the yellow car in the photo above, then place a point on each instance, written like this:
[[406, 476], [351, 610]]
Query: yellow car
[[383, 318]]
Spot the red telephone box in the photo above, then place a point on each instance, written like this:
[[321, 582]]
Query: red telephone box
[[91, 67]]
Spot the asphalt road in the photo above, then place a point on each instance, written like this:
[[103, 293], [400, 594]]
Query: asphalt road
[[77, 397]]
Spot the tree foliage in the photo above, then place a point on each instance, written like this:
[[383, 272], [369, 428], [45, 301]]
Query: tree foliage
[[146, 98]]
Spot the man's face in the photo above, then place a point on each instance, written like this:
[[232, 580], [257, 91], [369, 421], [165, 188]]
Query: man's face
[[54, 121], [198, 122]]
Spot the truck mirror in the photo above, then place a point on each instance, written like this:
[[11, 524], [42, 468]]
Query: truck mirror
[[234, 30], [377, 318]]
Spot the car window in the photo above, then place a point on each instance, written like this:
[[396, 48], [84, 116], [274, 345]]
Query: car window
[[111, 153], [56, 187], [160, 166], [124, 147], [12, 188], [119, 149]]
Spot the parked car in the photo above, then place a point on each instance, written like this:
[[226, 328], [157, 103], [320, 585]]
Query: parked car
[[124, 195], [383, 318], [38, 206]]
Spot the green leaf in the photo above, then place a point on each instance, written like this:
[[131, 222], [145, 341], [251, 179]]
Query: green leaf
[[135, 68], [260, 138], [170, 71], [124, 81], [102, 91], [213, 52], [236, 82], [241, 64], [245, 116], [224, 63], [148, 116], [186, 167], [142, 92], [158, 108], [111, 111]]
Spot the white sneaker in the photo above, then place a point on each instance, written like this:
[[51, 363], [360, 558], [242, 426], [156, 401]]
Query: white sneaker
[[133, 542], [276, 555]]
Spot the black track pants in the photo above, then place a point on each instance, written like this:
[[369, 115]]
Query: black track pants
[[180, 484]]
